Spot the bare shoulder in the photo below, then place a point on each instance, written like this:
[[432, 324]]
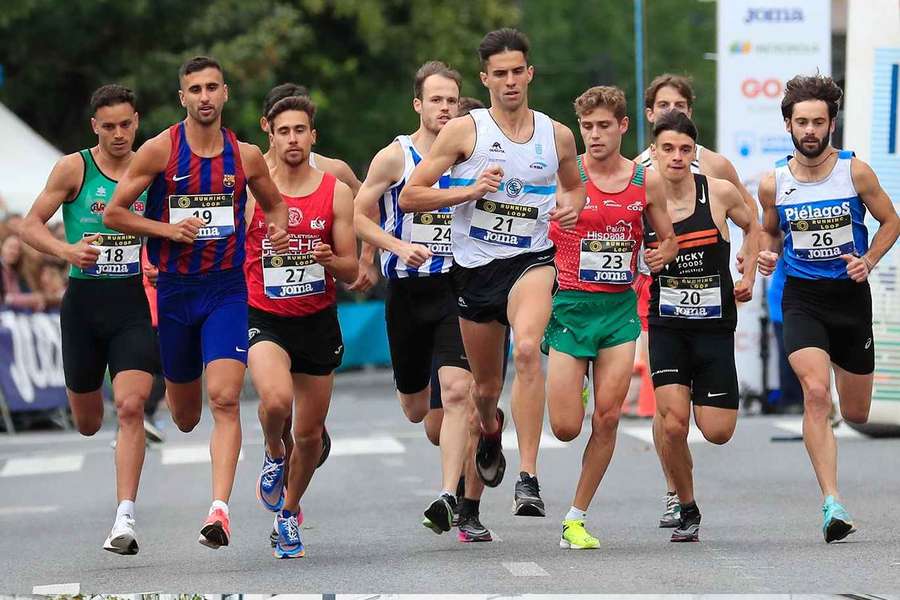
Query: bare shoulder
[[69, 170], [863, 175], [766, 189], [723, 190]]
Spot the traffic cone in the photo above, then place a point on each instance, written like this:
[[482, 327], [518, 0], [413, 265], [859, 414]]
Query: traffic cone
[[646, 399]]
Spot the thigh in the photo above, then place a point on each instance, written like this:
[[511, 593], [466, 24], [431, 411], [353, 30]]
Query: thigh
[[270, 369], [314, 343], [612, 376], [670, 357], [714, 380], [134, 348], [530, 303], [484, 347], [224, 332], [312, 398], [411, 342], [85, 354], [854, 391], [565, 382], [812, 366], [179, 340], [138, 382]]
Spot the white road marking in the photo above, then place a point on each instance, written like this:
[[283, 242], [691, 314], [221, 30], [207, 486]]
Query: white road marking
[[188, 455], [645, 433], [57, 589], [42, 465], [796, 426], [525, 569], [7, 511], [548, 441], [383, 444]]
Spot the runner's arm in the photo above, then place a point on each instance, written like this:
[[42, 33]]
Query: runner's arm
[[570, 193], [770, 238], [658, 217], [741, 215], [341, 260], [879, 204], [264, 189]]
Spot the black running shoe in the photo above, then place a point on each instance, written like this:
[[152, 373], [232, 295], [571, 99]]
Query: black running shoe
[[273, 537], [527, 502], [439, 515], [471, 530], [688, 529], [326, 447], [489, 460], [460, 494]]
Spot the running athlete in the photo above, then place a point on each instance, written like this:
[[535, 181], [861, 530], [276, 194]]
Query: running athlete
[[594, 317], [816, 199], [692, 309], [665, 93], [104, 318], [505, 163], [198, 173], [420, 309], [295, 338]]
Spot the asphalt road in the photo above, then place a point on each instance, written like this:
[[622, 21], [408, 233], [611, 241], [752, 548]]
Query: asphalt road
[[760, 503]]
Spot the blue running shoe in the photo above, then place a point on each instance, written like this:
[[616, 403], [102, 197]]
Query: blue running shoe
[[836, 523], [289, 544], [270, 485]]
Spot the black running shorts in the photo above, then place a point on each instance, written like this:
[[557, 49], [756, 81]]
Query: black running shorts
[[313, 342], [423, 330], [834, 315], [700, 360], [105, 323], [483, 292]]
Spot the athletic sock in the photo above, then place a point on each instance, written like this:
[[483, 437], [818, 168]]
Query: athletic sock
[[448, 493], [126, 507], [576, 514], [468, 507], [219, 504], [690, 509]]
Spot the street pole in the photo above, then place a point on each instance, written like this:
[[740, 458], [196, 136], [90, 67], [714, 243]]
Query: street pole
[[639, 72]]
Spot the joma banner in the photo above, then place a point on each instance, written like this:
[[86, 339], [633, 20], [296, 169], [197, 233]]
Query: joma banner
[[31, 372]]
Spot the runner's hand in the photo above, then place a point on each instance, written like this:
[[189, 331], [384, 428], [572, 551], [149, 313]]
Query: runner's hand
[[151, 273], [185, 231], [83, 253], [766, 262], [488, 182], [368, 277], [414, 255], [740, 262], [857, 268], [279, 238], [654, 259], [322, 254], [566, 216], [743, 290]]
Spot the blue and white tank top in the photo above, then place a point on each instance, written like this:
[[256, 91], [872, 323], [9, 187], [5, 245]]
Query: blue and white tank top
[[430, 229], [821, 220], [516, 218]]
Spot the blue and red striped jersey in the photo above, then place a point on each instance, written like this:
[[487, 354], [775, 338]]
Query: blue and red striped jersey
[[212, 189]]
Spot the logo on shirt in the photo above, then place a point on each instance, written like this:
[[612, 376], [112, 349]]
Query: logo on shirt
[[295, 216], [101, 192], [98, 207], [497, 150], [801, 225], [538, 164], [636, 207], [611, 204], [139, 207], [514, 187], [790, 191], [538, 149], [252, 332], [228, 180], [317, 223]]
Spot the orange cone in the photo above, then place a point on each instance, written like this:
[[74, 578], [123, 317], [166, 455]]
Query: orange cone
[[646, 399]]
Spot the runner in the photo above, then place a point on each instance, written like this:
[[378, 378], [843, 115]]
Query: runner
[[692, 310], [817, 199], [104, 317], [420, 310], [505, 163], [594, 316], [674, 92], [292, 301], [198, 173]]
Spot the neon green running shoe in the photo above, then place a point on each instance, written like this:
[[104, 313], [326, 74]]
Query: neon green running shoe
[[576, 537]]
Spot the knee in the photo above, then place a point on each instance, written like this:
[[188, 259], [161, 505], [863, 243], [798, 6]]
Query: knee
[[717, 436], [527, 356], [224, 399], [308, 436], [605, 421], [186, 420], [855, 414], [414, 410], [675, 428], [433, 422], [130, 408], [565, 430], [487, 391], [275, 403], [817, 400], [455, 395], [87, 425]]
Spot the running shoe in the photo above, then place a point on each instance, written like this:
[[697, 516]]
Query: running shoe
[[575, 536], [289, 544], [326, 447], [527, 501], [672, 515], [273, 536], [471, 530], [216, 531], [121, 539], [836, 523], [460, 494], [270, 485], [688, 529], [152, 432], [439, 515], [489, 460]]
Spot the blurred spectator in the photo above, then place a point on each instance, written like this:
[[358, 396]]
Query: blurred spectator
[[17, 292], [791, 396], [52, 284]]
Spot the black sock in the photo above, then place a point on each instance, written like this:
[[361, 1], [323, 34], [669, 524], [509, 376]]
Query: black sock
[[469, 508], [690, 508]]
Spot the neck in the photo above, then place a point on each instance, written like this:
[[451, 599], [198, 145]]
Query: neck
[[680, 191], [112, 163], [422, 139], [605, 167], [204, 139], [814, 164], [511, 119], [290, 178]]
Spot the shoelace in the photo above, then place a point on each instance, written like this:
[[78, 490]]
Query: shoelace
[[270, 472], [531, 485], [293, 532]]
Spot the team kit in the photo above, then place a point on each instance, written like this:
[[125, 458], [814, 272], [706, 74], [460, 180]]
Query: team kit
[[498, 243]]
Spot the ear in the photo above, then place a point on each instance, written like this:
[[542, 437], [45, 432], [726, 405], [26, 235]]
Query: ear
[[94, 126], [417, 105], [530, 72], [314, 135], [648, 113], [136, 119], [833, 124], [787, 126], [181, 98], [225, 87], [483, 76], [264, 124], [623, 125]]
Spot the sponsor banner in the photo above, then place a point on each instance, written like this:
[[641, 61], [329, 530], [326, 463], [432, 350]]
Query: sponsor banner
[[31, 371]]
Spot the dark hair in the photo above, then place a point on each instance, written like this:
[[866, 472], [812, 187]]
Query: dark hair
[[198, 63], [434, 67], [677, 121], [502, 40], [301, 103], [679, 82], [467, 104], [282, 90], [110, 95], [605, 96], [811, 87]]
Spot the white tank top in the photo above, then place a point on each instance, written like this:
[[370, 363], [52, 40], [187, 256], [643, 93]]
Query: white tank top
[[514, 219], [430, 229]]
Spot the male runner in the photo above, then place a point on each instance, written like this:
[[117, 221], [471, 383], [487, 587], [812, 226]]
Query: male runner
[[295, 338], [505, 163], [198, 173], [817, 199], [420, 310], [594, 316], [692, 309], [665, 93], [104, 317]]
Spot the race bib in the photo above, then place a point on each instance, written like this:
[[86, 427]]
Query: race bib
[[120, 255], [432, 230], [822, 238], [503, 224], [606, 261], [215, 210], [292, 276], [690, 297]]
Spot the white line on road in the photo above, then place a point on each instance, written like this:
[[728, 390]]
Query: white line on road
[[42, 465], [645, 433], [57, 589], [548, 442], [525, 569], [796, 426], [7, 511], [187, 455], [366, 445]]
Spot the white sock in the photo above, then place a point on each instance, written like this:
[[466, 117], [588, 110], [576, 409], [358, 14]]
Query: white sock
[[126, 507], [218, 504], [576, 514], [449, 493]]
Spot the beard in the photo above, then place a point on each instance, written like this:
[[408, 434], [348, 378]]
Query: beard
[[817, 151]]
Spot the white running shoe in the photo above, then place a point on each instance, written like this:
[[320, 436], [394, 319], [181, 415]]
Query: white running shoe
[[121, 539]]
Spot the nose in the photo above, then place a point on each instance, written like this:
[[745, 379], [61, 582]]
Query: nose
[[510, 79]]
